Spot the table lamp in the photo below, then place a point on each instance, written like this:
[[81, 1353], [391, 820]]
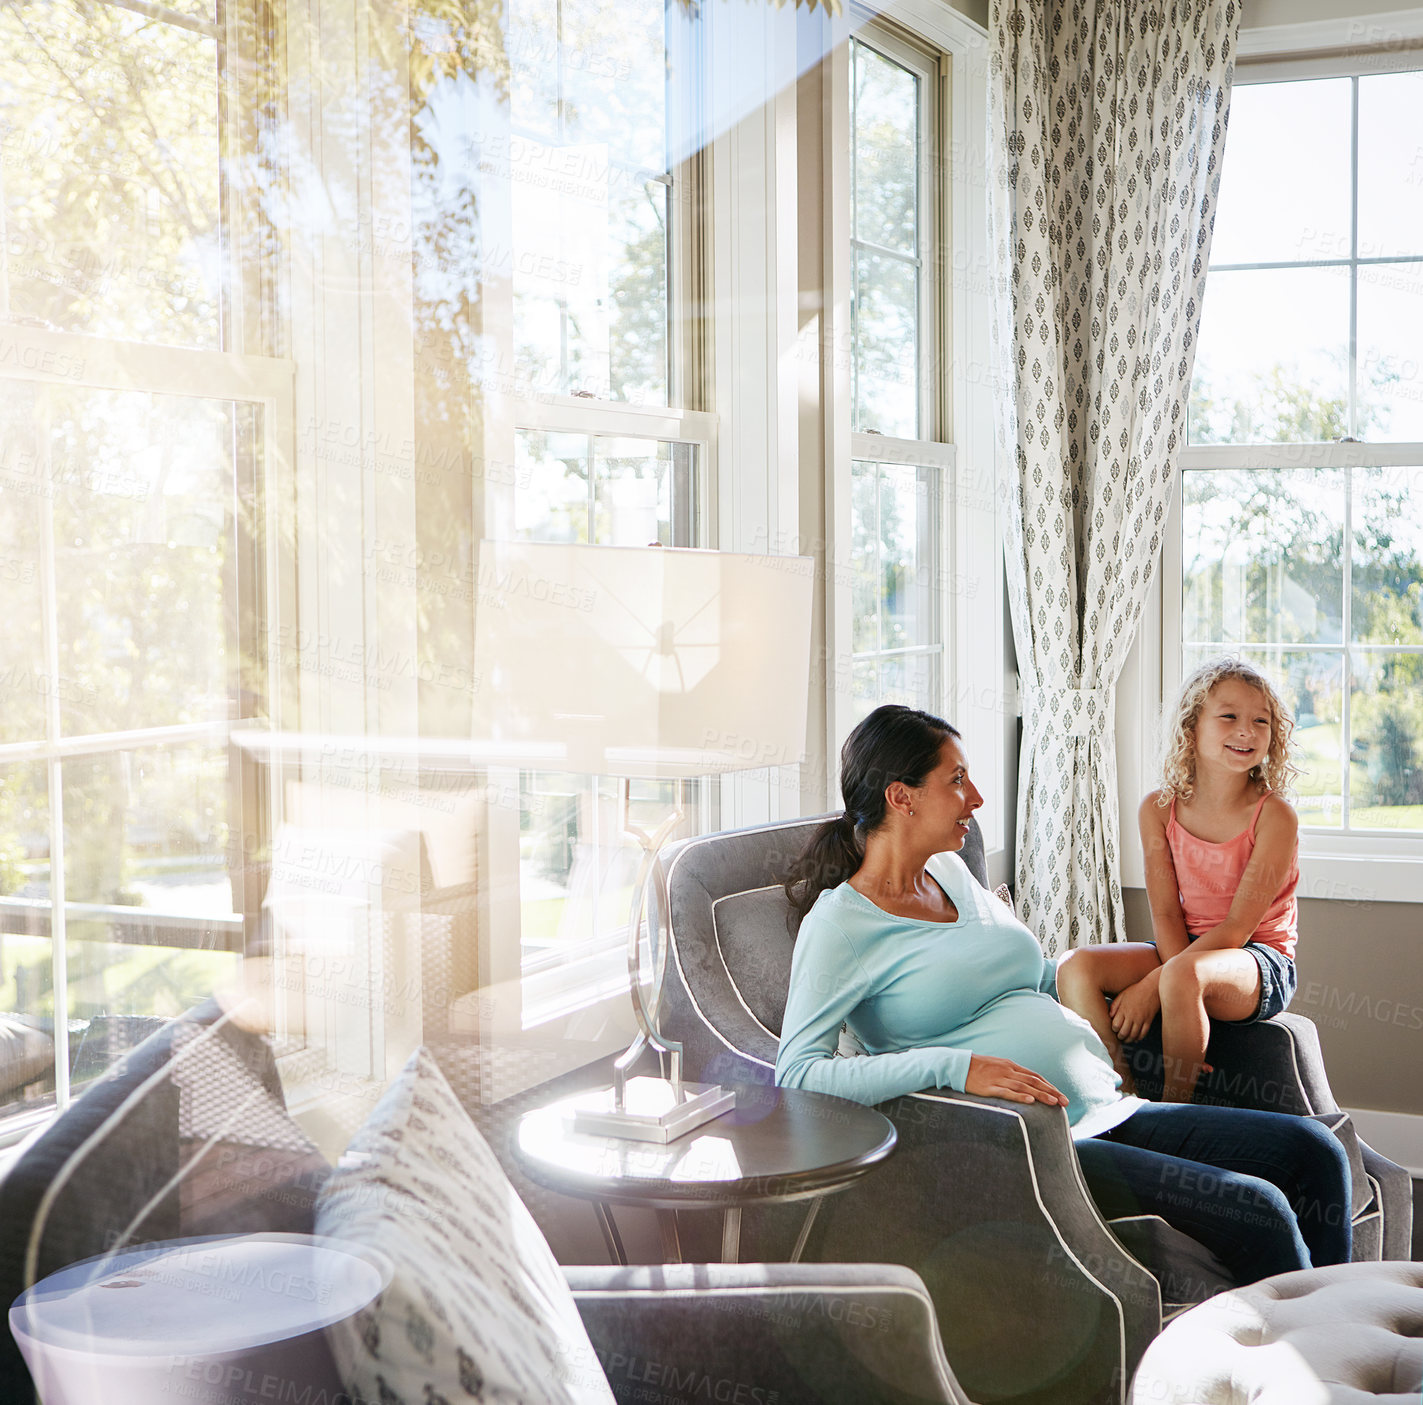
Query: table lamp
[[645, 663]]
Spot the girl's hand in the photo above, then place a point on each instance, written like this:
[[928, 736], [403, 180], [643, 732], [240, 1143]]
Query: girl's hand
[[1134, 1009], [1002, 1078]]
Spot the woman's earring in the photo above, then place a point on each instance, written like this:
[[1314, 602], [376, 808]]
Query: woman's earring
[[911, 812]]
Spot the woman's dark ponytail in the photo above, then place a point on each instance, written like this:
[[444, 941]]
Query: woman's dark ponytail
[[893, 743], [832, 855]]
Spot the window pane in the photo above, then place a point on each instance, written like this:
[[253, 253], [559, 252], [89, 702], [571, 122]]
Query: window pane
[[1387, 568], [886, 152], [906, 558], [864, 554], [643, 490], [565, 856], [534, 66], [1390, 164], [885, 333], [26, 970], [111, 204], [897, 643], [560, 270], [1273, 364], [589, 202], [614, 78], [1386, 750], [148, 828], [1283, 201], [577, 867], [25, 684], [119, 992], [143, 497], [1390, 376], [1261, 557], [1310, 683], [146, 837], [634, 491], [637, 292], [551, 487], [911, 679], [590, 281]]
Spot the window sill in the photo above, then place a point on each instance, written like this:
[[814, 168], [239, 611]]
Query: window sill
[[1355, 871], [568, 989]]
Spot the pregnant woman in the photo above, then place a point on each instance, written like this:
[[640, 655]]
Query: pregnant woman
[[945, 988]]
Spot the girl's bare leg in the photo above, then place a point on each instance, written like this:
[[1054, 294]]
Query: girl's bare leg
[[1087, 978], [1197, 986]]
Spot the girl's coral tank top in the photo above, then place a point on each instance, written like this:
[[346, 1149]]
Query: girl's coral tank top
[[1208, 876]]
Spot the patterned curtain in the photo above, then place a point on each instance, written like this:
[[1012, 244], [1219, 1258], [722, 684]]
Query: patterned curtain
[[1106, 127]]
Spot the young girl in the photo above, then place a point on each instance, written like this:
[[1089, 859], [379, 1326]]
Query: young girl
[[1222, 848]]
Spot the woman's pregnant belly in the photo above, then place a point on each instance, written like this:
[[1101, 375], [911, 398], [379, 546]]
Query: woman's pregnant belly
[[1032, 1029]]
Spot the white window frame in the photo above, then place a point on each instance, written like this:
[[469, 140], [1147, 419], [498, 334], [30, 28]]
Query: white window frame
[[925, 63], [79, 360], [980, 693], [87, 361], [592, 986], [596, 973], [929, 450], [1356, 866]]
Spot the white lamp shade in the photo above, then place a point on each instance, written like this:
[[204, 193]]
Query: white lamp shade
[[642, 661]]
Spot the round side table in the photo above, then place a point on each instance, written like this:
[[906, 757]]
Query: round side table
[[200, 1321], [777, 1144]]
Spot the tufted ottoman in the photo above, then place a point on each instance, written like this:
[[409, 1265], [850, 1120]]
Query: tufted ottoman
[[1325, 1336]]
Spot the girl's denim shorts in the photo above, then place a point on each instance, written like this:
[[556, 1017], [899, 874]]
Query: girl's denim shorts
[[1278, 981]]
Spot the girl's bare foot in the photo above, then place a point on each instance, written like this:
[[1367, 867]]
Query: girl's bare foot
[[1183, 1090]]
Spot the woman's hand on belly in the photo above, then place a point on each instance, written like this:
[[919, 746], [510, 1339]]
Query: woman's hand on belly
[[1002, 1078]]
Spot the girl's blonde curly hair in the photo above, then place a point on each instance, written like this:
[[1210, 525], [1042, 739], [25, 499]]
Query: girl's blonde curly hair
[[1178, 769]]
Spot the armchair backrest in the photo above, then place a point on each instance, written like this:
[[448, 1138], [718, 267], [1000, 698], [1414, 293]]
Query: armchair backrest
[[732, 932], [185, 1135]]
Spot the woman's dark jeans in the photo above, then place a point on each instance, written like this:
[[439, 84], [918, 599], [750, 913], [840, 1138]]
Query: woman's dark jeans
[[1266, 1192]]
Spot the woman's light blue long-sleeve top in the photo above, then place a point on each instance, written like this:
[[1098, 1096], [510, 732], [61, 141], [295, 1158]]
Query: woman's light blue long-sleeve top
[[924, 997]]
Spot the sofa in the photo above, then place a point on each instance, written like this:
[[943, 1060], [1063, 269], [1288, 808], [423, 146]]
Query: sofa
[[1041, 1300], [187, 1135]]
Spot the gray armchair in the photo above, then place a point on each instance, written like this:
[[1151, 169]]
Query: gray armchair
[[1040, 1300], [795, 1334]]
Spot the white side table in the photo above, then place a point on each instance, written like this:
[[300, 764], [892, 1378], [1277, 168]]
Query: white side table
[[195, 1321]]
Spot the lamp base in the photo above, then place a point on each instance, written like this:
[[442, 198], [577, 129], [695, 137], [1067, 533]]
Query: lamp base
[[651, 1111]]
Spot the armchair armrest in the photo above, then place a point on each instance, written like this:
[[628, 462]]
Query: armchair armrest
[[1395, 1200], [765, 1334], [984, 1198], [1274, 1065]]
